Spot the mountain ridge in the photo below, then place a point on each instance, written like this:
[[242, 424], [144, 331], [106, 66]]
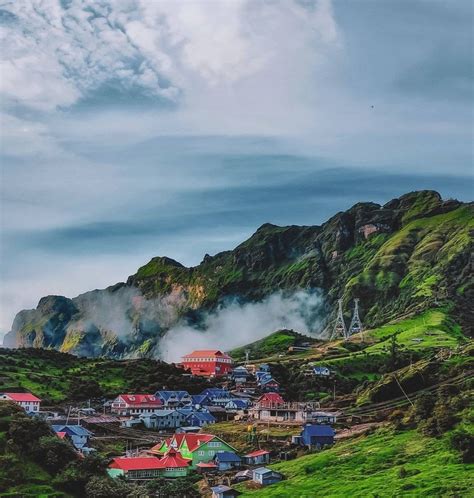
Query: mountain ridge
[[412, 253]]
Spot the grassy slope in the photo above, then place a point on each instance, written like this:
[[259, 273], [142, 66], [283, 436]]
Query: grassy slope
[[369, 466], [49, 374], [275, 343]]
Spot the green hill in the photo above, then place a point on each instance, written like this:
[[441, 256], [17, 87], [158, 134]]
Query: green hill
[[276, 343]]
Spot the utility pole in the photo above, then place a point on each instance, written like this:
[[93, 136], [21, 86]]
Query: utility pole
[[340, 326], [247, 356], [356, 323]]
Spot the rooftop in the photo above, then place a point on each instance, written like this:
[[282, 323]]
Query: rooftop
[[22, 397]]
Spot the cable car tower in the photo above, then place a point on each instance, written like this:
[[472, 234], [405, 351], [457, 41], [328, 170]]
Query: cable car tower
[[340, 328], [356, 324]]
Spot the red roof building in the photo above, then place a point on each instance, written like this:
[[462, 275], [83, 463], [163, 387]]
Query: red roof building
[[269, 400], [135, 404], [27, 401], [171, 465], [208, 363]]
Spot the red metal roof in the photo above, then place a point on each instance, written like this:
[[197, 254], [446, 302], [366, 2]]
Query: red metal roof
[[193, 441], [136, 463], [270, 399], [173, 459], [206, 353], [257, 453], [204, 465], [18, 397], [61, 435], [141, 400]]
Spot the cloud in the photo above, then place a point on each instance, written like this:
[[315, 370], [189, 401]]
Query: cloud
[[59, 53], [235, 324]]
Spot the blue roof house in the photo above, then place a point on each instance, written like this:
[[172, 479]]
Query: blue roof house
[[174, 398], [226, 460], [79, 435], [317, 436], [266, 476], [200, 419]]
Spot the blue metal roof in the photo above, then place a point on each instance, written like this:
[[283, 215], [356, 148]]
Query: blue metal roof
[[227, 456], [166, 395], [77, 430], [318, 430]]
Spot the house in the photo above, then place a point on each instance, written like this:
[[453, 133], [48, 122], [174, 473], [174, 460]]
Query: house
[[206, 468], [317, 436], [78, 435], [236, 404], [188, 429], [223, 491], [217, 396], [240, 375], [319, 417], [269, 400], [266, 476], [243, 475], [174, 399], [208, 363], [200, 419], [258, 457], [135, 404], [164, 419], [199, 400], [226, 460], [269, 385], [195, 447], [321, 371], [29, 402]]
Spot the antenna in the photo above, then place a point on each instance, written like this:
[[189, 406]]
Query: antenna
[[356, 324], [340, 326]]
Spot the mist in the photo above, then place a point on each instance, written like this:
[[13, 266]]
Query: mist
[[234, 324]]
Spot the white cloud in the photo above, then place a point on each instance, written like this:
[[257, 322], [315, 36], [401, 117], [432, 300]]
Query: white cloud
[[53, 56]]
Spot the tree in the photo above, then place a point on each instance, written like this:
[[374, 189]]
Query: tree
[[53, 454]]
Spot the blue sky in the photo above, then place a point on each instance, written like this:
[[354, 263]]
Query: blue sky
[[131, 129]]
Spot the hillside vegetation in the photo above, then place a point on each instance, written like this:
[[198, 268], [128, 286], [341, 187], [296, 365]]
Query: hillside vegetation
[[411, 255], [57, 377]]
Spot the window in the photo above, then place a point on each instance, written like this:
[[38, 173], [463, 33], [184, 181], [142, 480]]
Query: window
[[201, 453]]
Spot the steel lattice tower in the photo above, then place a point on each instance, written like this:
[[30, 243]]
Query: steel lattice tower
[[340, 326], [356, 324]]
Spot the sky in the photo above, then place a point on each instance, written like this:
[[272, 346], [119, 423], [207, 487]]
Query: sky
[[136, 128]]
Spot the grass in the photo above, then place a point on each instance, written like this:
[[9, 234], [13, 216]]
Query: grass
[[370, 466]]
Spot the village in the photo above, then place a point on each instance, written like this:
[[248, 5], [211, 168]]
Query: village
[[169, 432]]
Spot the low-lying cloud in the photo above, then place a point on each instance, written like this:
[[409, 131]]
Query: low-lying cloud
[[235, 324]]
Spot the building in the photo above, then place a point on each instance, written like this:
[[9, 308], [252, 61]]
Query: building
[[135, 404], [173, 399], [269, 385], [208, 363], [266, 476], [258, 457], [240, 375], [317, 436], [236, 404], [134, 467], [226, 460], [200, 419], [318, 417], [271, 407], [164, 419], [29, 402], [78, 435], [321, 371], [223, 491], [270, 400], [195, 447]]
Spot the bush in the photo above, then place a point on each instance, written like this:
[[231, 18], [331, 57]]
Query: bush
[[463, 441], [53, 454]]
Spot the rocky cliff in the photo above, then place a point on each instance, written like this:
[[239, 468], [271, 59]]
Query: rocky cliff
[[413, 253]]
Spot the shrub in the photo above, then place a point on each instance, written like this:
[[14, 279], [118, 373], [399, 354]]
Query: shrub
[[463, 441]]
